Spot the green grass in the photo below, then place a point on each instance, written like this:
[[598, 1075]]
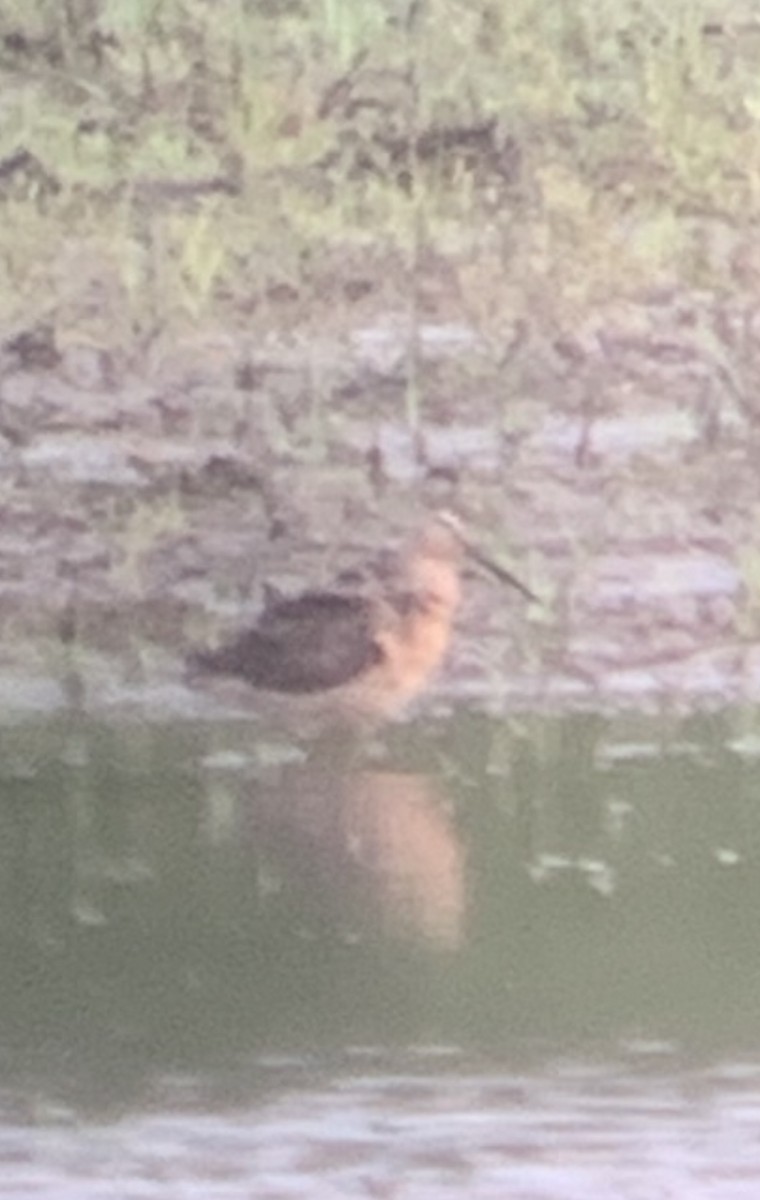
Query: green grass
[[211, 159]]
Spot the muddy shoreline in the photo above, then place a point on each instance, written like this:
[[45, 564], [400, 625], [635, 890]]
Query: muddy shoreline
[[142, 514]]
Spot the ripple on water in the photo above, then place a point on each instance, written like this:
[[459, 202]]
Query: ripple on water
[[568, 1133]]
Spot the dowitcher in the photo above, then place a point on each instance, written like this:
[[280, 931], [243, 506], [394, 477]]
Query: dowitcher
[[355, 656]]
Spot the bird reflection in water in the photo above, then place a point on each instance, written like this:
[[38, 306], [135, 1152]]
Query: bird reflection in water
[[367, 850]]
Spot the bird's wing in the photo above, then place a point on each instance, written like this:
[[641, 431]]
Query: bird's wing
[[310, 643]]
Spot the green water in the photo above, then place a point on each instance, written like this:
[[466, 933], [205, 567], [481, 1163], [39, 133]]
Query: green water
[[172, 900]]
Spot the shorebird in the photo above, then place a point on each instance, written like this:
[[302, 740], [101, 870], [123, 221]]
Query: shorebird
[[354, 656]]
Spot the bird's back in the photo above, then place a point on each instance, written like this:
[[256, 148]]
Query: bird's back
[[306, 644]]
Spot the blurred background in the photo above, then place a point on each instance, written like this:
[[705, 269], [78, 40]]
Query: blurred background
[[278, 279]]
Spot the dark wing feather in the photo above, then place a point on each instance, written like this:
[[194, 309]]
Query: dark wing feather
[[307, 644]]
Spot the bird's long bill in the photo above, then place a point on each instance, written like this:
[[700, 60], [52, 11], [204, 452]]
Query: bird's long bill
[[500, 572]]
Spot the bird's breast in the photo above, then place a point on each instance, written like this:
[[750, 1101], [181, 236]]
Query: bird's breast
[[414, 650]]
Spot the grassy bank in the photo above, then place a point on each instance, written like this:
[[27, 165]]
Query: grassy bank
[[165, 162]]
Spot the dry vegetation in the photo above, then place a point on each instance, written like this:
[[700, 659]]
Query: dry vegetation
[[167, 162]]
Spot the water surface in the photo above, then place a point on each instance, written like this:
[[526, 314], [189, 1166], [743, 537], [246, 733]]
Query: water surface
[[508, 957]]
